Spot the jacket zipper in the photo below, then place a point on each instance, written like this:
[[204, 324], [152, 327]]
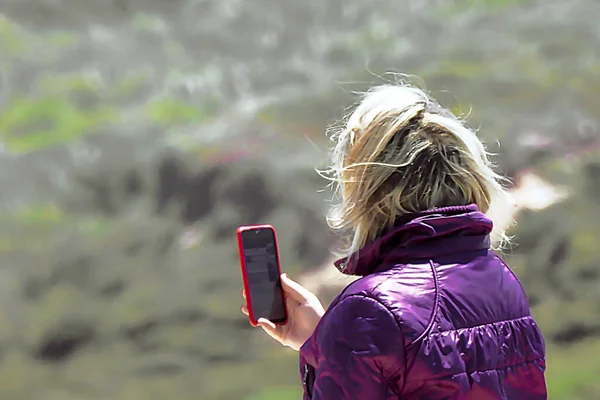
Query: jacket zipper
[[308, 380]]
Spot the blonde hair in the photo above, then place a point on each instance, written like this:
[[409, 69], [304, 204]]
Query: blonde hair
[[399, 153]]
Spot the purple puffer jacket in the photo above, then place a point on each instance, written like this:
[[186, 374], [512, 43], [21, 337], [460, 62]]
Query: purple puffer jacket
[[436, 315]]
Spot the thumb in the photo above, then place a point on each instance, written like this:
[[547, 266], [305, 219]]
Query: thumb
[[295, 290], [271, 329]]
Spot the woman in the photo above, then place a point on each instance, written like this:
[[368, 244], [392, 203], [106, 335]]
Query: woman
[[436, 313]]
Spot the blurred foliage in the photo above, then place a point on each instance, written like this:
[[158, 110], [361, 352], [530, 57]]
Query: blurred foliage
[[128, 126], [573, 372]]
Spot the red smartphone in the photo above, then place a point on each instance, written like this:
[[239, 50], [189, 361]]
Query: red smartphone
[[261, 274]]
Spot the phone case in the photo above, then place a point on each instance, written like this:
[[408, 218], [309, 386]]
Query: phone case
[[241, 229]]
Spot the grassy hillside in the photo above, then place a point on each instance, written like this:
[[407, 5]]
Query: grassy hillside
[[136, 135]]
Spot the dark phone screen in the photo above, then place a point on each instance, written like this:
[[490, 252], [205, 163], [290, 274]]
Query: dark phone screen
[[264, 282]]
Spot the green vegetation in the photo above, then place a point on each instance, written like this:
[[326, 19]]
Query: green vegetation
[[126, 127]]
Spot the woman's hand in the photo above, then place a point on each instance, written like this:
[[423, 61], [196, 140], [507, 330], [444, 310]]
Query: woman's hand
[[304, 312]]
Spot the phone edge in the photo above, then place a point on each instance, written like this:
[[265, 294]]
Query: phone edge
[[244, 275]]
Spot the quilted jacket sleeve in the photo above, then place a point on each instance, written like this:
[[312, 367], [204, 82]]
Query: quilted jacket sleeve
[[362, 352]]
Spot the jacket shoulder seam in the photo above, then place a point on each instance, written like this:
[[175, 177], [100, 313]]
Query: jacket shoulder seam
[[434, 311], [514, 275]]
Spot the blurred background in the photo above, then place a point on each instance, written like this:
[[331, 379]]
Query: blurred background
[[136, 135]]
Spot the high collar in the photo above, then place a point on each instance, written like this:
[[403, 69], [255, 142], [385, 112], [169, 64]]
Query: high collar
[[422, 235]]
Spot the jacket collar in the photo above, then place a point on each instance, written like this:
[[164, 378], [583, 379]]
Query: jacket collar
[[427, 234]]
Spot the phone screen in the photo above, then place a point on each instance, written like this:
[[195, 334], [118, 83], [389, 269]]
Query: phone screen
[[266, 294]]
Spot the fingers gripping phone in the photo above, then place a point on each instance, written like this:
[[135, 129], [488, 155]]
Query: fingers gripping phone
[[261, 274]]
